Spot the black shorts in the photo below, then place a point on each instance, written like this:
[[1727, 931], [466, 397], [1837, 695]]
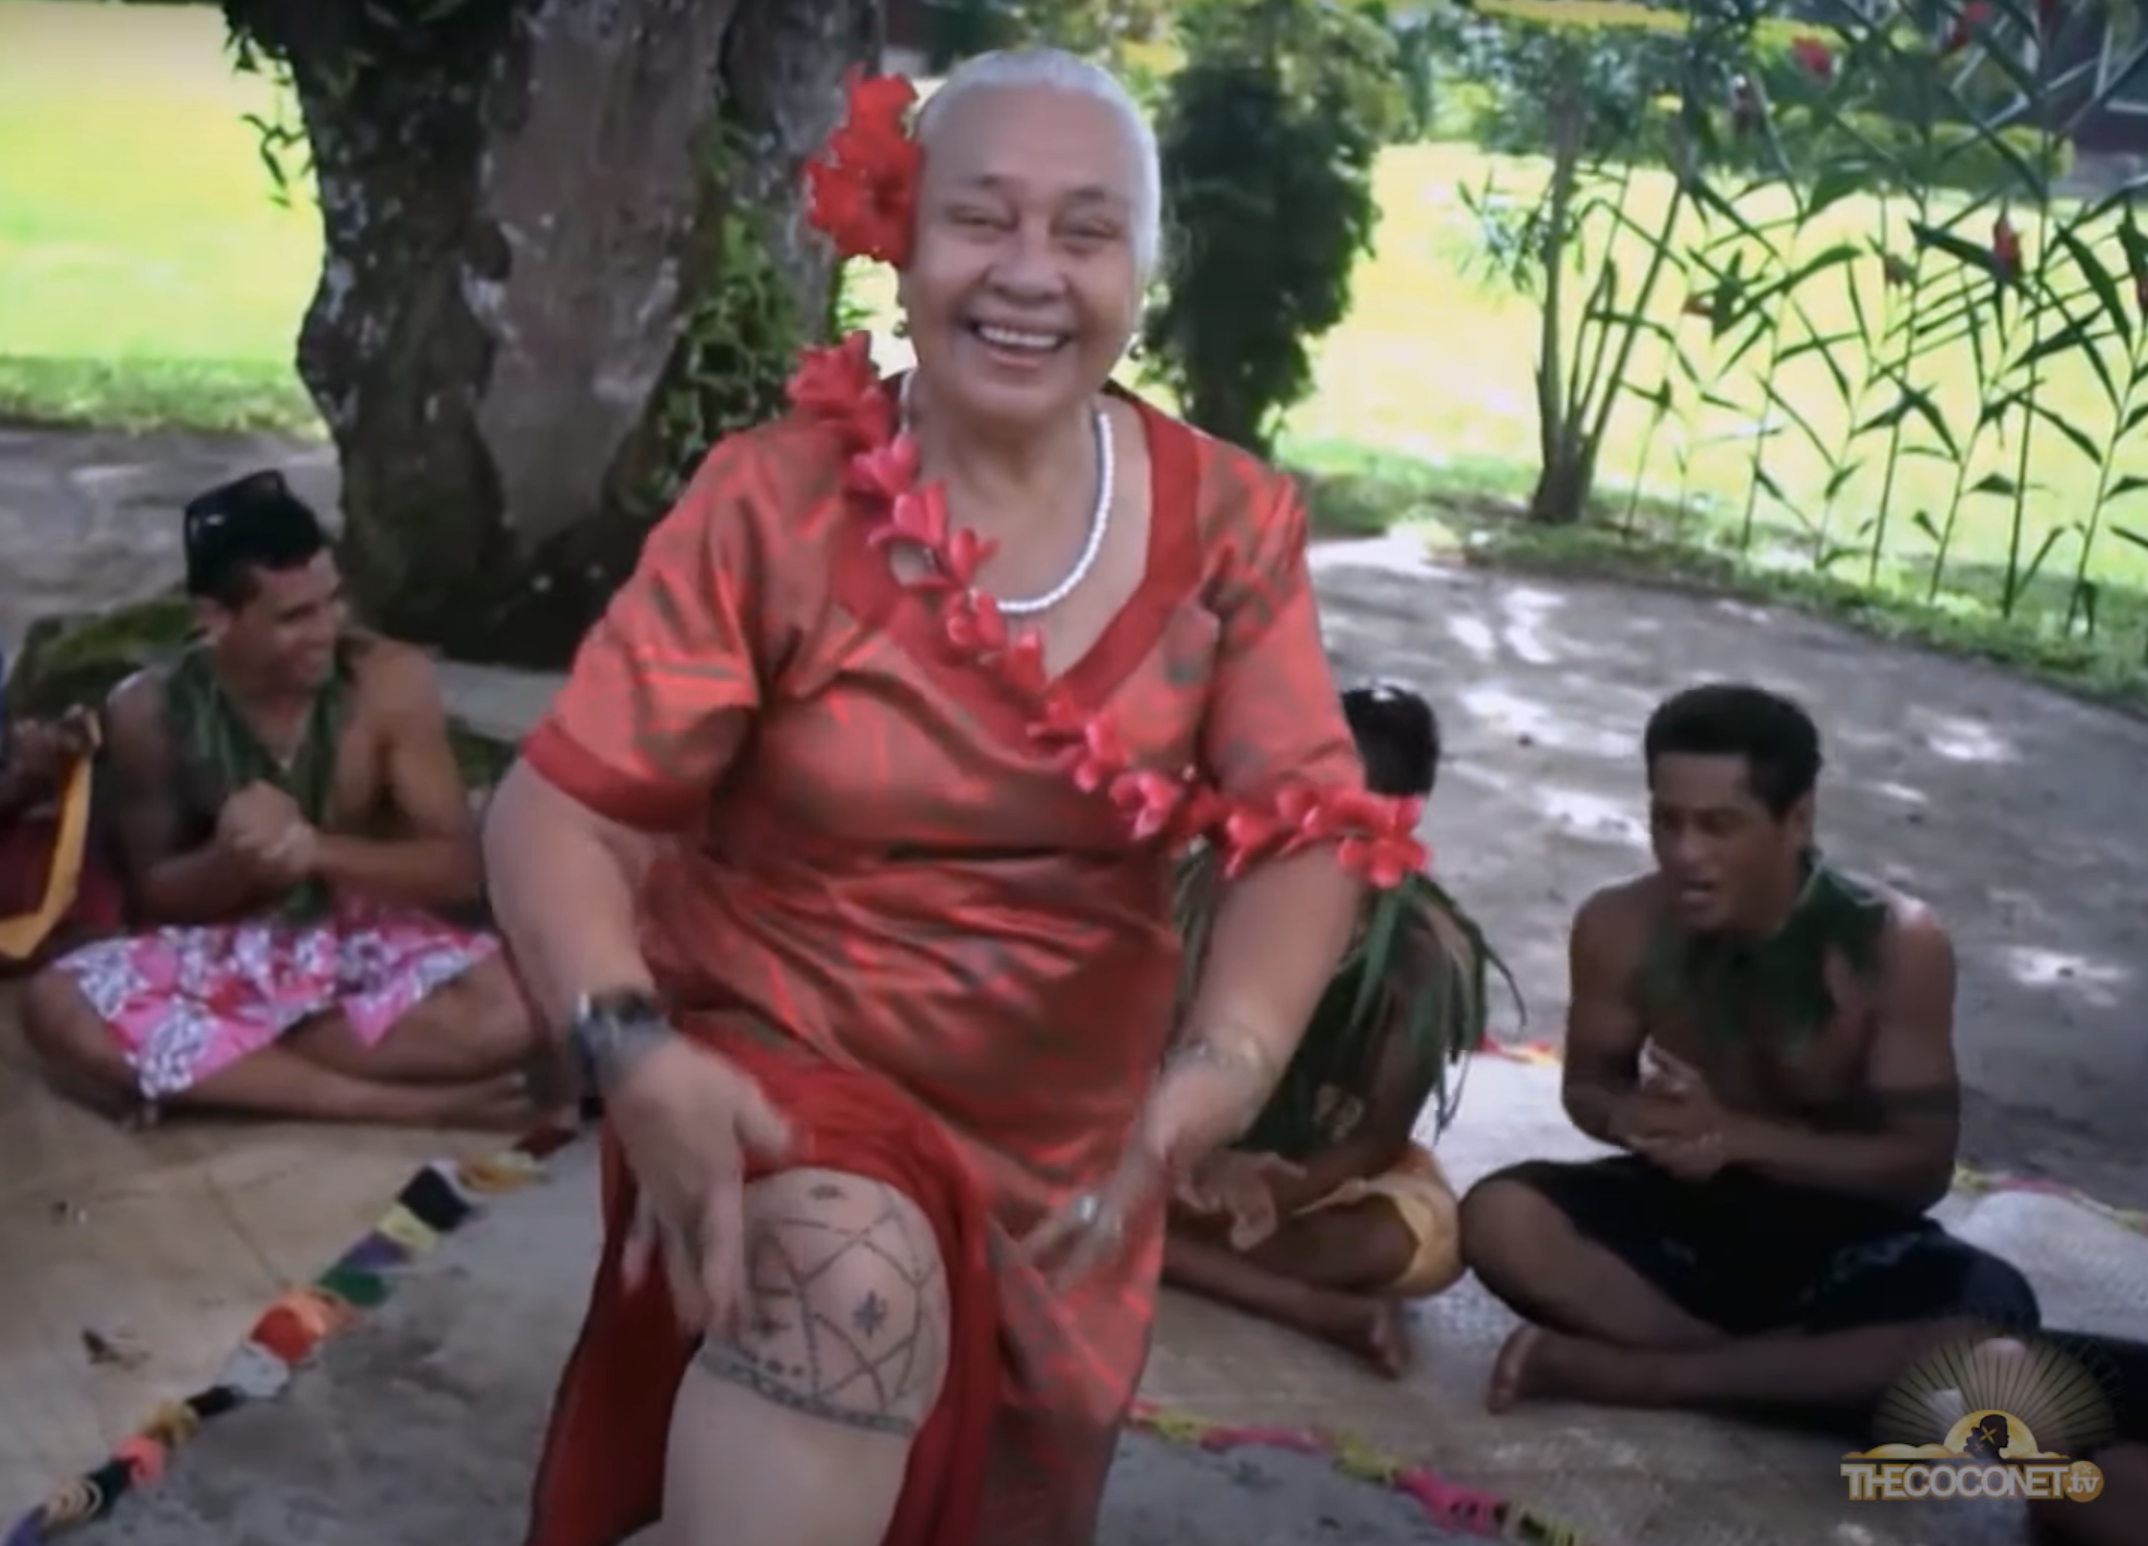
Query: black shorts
[[1749, 1255]]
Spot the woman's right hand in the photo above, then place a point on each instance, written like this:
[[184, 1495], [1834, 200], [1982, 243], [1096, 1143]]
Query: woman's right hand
[[688, 1121]]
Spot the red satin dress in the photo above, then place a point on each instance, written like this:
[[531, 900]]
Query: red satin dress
[[953, 968]]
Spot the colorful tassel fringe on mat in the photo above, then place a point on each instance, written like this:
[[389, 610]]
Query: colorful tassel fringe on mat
[[443, 1196], [437, 1200]]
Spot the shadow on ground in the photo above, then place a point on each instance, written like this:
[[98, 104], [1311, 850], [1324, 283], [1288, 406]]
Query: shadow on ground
[[2013, 810]]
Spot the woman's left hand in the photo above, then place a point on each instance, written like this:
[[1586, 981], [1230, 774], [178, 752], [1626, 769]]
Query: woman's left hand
[[1239, 1187], [1089, 1230]]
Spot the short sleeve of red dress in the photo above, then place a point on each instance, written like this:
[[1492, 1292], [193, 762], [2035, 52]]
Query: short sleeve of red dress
[[663, 685], [1274, 718]]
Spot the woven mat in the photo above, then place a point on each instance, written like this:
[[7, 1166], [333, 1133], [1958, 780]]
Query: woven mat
[[1628, 1477], [448, 1380], [135, 1262], [420, 1425]]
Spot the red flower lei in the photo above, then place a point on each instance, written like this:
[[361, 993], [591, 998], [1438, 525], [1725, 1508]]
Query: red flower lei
[[862, 194]]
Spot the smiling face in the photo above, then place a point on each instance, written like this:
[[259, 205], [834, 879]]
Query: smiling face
[[1730, 860], [1023, 285], [283, 635]]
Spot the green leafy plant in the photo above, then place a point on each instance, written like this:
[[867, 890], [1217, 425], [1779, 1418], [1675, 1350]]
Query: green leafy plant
[[2014, 277], [1268, 134], [1590, 255], [1867, 259]]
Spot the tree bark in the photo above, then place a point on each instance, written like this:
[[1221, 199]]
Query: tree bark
[[563, 250]]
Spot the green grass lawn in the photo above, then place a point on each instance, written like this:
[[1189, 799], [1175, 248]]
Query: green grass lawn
[[147, 276]]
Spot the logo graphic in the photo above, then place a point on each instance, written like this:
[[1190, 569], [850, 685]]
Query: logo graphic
[[1987, 1417]]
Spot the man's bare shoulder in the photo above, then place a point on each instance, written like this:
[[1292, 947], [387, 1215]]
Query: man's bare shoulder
[[1915, 946], [391, 676], [1617, 920], [1913, 939], [134, 711]]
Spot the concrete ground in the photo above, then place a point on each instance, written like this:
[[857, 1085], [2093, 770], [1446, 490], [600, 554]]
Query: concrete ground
[[422, 1426], [2012, 810]]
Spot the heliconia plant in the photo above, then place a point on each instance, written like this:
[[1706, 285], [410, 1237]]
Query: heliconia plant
[[1870, 264]]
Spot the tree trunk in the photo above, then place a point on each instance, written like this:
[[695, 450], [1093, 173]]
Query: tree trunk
[[563, 253], [1560, 496]]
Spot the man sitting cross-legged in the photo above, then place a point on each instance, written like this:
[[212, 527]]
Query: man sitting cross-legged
[[1772, 1044], [290, 813], [1328, 1214]]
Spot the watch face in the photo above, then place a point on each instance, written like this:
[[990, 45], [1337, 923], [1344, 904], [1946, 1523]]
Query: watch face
[[621, 1006]]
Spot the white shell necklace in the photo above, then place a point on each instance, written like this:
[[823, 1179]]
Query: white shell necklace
[[1099, 518]]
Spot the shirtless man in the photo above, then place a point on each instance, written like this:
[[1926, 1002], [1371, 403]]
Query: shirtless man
[[1328, 1217], [1771, 1043], [290, 816]]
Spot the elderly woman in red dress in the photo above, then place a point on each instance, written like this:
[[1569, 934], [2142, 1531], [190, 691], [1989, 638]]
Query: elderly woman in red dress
[[845, 859]]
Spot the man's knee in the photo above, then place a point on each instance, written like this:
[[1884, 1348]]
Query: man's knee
[[847, 1303], [57, 1020], [483, 1015], [500, 1007], [1506, 1222], [1995, 1292]]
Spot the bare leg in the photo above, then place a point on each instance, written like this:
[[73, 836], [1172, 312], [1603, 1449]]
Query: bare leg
[[2117, 1516], [1838, 1370], [1319, 1275], [797, 1431], [87, 1064], [1529, 1254], [1374, 1329], [476, 1027]]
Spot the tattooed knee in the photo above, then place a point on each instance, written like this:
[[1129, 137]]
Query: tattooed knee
[[846, 1316]]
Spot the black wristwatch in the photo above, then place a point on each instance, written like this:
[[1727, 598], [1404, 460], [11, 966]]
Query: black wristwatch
[[611, 1033]]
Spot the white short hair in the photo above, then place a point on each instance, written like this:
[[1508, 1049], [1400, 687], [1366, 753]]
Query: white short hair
[[1057, 70]]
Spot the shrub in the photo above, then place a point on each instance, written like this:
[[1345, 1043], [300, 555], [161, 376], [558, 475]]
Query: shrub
[[1268, 135]]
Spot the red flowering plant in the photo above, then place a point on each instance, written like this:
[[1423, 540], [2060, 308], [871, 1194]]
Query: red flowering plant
[[862, 194], [1814, 57]]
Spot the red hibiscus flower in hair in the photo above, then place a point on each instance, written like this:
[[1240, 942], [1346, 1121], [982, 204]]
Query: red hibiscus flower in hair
[[862, 190]]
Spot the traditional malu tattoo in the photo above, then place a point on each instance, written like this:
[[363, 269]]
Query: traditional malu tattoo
[[813, 1341], [789, 1386]]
